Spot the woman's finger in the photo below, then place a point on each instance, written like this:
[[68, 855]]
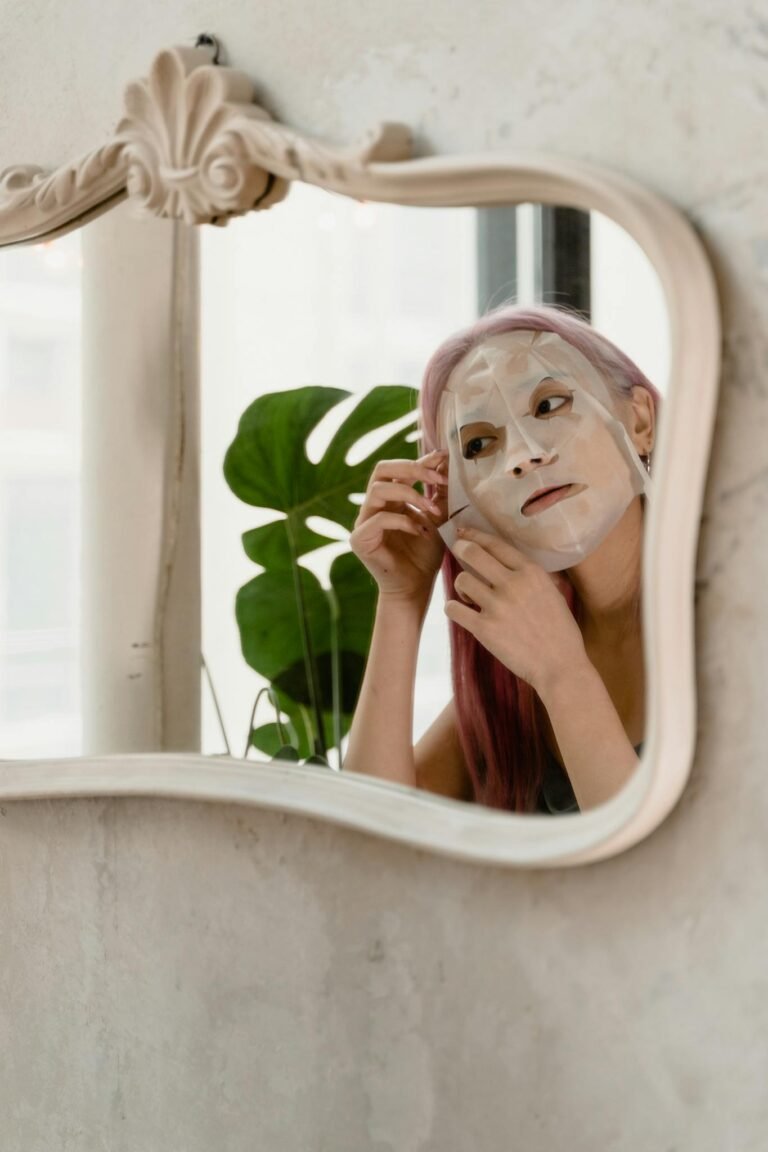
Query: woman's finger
[[439, 491], [433, 460], [470, 588], [407, 471], [474, 556], [495, 548], [426, 519], [370, 530], [460, 614], [382, 492]]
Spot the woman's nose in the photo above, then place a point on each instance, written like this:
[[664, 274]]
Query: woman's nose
[[525, 466], [525, 460]]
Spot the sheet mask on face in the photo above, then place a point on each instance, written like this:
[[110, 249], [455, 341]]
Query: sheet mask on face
[[522, 412]]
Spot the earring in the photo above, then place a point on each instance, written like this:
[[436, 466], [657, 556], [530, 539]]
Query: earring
[[647, 462]]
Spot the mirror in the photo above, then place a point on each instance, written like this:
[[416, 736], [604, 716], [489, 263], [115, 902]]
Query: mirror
[[337, 293], [40, 499], [334, 315]]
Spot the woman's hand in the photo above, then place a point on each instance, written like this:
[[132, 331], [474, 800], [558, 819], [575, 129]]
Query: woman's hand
[[395, 534], [521, 616]]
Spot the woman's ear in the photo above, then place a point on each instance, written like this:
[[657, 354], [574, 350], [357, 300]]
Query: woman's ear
[[643, 420]]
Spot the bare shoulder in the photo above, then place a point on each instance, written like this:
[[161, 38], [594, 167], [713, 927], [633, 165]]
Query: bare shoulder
[[440, 765]]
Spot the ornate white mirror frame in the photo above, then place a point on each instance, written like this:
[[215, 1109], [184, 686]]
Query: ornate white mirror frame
[[193, 146]]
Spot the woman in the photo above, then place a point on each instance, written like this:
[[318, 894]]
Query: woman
[[539, 432]]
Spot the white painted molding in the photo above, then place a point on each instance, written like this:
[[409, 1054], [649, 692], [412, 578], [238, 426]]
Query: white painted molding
[[193, 146], [140, 489], [407, 815], [35, 204]]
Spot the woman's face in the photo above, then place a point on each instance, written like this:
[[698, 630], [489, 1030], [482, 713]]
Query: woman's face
[[537, 446]]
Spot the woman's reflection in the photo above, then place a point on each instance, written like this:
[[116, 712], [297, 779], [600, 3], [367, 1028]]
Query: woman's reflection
[[540, 433]]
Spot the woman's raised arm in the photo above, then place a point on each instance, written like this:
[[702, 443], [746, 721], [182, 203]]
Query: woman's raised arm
[[520, 615], [395, 537], [380, 739]]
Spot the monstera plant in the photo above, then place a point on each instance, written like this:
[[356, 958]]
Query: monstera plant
[[308, 640]]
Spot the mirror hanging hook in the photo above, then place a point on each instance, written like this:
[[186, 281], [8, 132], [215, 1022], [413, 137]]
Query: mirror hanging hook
[[206, 40]]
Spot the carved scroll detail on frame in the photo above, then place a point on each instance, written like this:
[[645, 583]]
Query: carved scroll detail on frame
[[192, 146], [35, 203], [185, 139]]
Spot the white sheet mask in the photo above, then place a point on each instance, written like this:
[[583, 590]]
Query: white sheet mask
[[494, 411]]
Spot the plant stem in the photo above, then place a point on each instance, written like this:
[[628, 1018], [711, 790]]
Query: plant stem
[[215, 703], [335, 670], [307, 724], [310, 668], [278, 722]]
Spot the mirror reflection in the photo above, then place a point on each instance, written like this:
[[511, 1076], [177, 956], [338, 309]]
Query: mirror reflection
[[325, 322], [320, 320], [40, 499]]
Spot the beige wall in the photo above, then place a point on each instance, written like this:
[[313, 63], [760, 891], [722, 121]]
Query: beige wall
[[189, 977]]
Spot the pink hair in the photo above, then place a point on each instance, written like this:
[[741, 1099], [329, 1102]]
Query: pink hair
[[501, 720]]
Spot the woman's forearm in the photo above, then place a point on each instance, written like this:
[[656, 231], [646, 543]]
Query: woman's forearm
[[597, 753], [381, 737]]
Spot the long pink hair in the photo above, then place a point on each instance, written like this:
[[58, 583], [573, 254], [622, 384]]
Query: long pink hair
[[500, 718]]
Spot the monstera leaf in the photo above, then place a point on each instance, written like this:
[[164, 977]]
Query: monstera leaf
[[310, 642]]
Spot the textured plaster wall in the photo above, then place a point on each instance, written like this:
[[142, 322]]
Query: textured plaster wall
[[184, 977]]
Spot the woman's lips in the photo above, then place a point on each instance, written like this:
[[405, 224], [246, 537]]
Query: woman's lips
[[546, 497]]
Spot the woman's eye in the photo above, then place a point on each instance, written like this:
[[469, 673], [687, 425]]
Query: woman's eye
[[475, 446], [551, 404]]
